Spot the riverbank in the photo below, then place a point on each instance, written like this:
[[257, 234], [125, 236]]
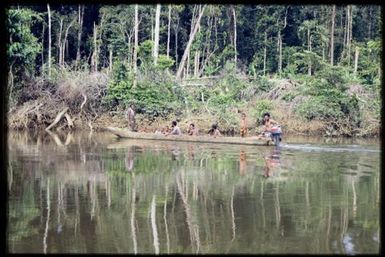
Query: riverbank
[[303, 106]]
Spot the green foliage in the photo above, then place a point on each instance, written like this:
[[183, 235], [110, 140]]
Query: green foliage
[[327, 98], [145, 51], [154, 98], [302, 61], [369, 67], [120, 85], [318, 108], [304, 32], [260, 107], [23, 46], [165, 62], [334, 76], [154, 94], [264, 84], [114, 38]]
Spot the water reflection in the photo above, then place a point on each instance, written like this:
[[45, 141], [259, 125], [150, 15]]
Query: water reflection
[[242, 163], [272, 162], [99, 195], [130, 158]]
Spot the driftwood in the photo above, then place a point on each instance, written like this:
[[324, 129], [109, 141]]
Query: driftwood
[[69, 120], [43, 102], [57, 119]]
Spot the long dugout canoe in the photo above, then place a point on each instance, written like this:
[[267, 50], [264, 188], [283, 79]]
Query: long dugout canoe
[[125, 133]]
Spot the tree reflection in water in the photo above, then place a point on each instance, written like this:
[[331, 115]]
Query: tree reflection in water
[[204, 199]]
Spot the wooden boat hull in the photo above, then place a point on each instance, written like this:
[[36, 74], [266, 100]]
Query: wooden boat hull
[[124, 133]]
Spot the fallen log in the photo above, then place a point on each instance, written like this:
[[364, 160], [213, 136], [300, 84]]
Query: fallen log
[[69, 120], [57, 119]]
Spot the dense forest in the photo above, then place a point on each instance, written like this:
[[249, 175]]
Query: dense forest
[[316, 68]]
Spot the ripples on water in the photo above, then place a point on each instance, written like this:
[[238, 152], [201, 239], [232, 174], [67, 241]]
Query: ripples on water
[[80, 193]]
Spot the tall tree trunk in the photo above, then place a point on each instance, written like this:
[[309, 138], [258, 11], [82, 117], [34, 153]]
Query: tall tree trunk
[[187, 49], [323, 52], [176, 42], [279, 52], [67, 51], [332, 36], [207, 53], [129, 55], [10, 85], [188, 65], [42, 45], [309, 48], [110, 59], [65, 41], [59, 41], [49, 41], [264, 55], [193, 20], [235, 36], [350, 33], [356, 60], [94, 54], [152, 28], [370, 23], [80, 22], [347, 30], [345, 35], [135, 57], [308, 38], [196, 63], [168, 30], [156, 43], [99, 42]]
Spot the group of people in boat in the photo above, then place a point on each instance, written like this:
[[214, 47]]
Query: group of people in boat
[[271, 128]]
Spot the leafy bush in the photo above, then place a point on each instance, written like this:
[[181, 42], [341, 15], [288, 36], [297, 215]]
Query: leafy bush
[[260, 107], [327, 98], [264, 84], [154, 95], [318, 108], [165, 62]]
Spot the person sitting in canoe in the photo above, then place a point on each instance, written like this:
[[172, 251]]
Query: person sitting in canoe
[[211, 130], [243, 125], [193, 130], [214, 131], [175, 129]]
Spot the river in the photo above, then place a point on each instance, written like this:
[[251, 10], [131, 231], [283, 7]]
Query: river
[[93, 193]]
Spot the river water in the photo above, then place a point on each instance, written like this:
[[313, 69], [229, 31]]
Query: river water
[[93, 193]]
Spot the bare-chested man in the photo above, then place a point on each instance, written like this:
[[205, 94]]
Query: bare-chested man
[[271, 128]]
